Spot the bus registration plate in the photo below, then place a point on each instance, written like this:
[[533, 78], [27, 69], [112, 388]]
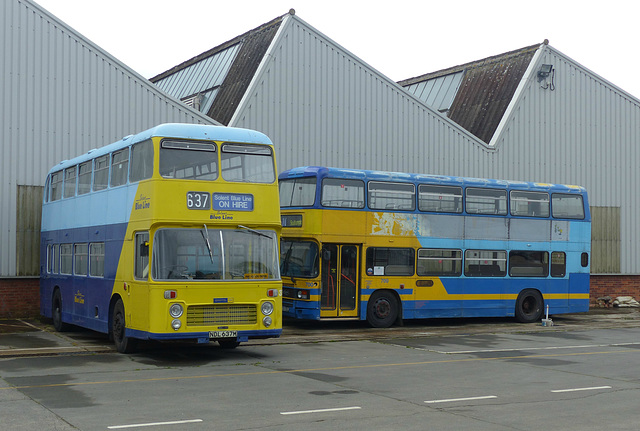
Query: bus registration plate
[[223, 334]]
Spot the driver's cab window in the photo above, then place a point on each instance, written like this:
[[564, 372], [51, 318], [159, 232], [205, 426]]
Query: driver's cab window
[[142, 256]]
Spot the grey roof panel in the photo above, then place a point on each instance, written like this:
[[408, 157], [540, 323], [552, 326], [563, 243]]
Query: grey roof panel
[[437, 92], [227, 69], [200, 76], [483, 93]]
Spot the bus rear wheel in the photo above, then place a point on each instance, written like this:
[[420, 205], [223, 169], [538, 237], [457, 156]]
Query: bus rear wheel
[[56, 312], [123, 343], [382, 309], [529, 306]]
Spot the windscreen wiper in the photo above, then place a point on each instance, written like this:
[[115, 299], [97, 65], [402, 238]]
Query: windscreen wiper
[[254, 231], [285, 263], [205, 235]]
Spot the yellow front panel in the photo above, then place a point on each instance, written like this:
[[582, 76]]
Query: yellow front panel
[[161, 203]]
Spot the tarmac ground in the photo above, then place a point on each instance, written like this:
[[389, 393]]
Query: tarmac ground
[[37, 337]]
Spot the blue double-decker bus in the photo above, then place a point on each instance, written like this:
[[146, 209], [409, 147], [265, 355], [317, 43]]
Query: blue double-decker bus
[[384, 246]]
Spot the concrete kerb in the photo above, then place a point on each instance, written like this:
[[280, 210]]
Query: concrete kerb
[[31, 337]]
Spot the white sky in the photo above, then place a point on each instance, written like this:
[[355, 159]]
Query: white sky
[[401, 38]]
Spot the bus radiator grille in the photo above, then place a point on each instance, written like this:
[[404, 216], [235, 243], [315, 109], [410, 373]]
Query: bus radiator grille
[[222, 314]]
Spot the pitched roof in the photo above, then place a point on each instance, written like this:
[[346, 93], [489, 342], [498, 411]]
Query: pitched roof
[[215, 81], [475, 95]]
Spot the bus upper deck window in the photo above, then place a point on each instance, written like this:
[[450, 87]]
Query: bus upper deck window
[[188, 160], [342, 193], [247, 163], [297, 192], [565, 205]]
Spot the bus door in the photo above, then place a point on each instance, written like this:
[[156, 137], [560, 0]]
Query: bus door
[[138, 287], [340, 280]]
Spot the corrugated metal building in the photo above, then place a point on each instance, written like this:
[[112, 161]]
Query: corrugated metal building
[[533, 114], [61, 96]]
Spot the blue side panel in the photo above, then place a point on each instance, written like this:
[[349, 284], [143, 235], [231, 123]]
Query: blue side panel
[[579, 284], [469, 298], [85, 299]]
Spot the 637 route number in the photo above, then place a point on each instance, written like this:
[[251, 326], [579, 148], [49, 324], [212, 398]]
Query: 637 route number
[[198, 200]]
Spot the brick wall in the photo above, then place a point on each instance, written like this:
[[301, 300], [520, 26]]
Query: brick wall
[[613, 286], [19, 297]]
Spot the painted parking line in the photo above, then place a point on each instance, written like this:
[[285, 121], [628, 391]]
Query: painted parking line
[[338, 409], [154, 424], [593, 388], [583, 346], [453, 400]]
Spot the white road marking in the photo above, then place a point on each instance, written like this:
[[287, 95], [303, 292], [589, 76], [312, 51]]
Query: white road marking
[[452, 400], [302, 412], [581, 389], [153, 424], [585, 346]]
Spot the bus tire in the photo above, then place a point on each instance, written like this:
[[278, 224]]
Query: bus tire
[[56, 312], [529, 306], [123, 343], [382, 309]]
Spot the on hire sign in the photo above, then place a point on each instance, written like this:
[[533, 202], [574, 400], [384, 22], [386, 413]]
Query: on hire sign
[[232, 201]]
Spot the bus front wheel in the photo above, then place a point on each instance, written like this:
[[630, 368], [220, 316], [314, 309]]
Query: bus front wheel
[[529, 306], [123, 343], [382, 309]]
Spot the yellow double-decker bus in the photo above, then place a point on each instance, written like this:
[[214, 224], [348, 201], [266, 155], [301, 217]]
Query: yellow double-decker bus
[[385, 246], [169, 234]]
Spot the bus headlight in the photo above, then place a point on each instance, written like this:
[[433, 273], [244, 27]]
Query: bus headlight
[[175, 310], [176, 324], [267, 321], [267, 308]]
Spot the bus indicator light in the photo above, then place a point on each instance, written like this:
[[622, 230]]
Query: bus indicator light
[[170, 294], [272, 293]]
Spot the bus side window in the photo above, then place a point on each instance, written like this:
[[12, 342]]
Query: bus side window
[[141, 161], [119, 167], [84, 177], [69, 189], [558, 263], [141, 268]]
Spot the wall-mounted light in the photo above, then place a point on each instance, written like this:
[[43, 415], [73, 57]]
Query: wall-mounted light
[[543, 73], [545, 70]]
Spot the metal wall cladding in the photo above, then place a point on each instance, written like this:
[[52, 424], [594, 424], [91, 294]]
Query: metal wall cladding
[[321, 105], [61, 96], [576, 128]]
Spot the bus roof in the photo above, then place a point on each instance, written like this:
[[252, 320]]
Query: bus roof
[[174, 130], [371, 175]]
